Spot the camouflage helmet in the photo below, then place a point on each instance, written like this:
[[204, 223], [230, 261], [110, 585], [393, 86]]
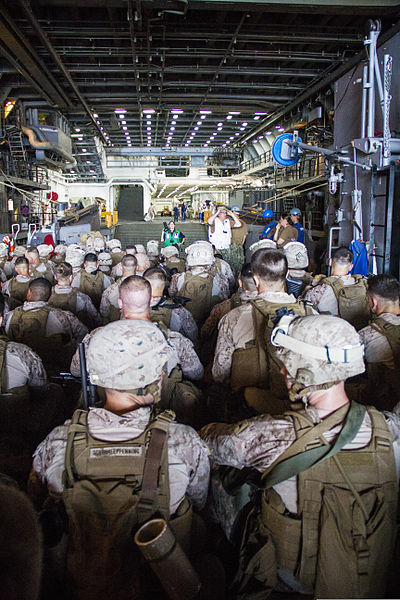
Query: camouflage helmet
[[318, 349], [127, 355], [98, 244], [3, 250], [44, 250], [200, 254], [19, 251], [140, 248], [262, 244], [60, 249], [169, 251], [296, 254], [104, 259], [113, 244], [152, 247], [75, 256]]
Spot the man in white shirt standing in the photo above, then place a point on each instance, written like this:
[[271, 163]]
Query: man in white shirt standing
[[220, 234]]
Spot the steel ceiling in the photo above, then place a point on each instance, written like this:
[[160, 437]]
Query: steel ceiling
[[90, 58]]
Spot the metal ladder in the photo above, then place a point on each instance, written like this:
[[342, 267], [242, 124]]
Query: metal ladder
[[16, 145]]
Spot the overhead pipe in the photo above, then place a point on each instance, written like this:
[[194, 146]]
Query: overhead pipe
[[35, 143], [43, 36]]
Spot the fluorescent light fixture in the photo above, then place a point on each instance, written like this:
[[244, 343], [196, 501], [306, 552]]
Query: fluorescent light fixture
[[203, 116], [281, 129], [84, 150], [231, 138], [172, 128], [199, 122], [80, 139], [277, 126], [148, 128], [124, 127], [196, 128], [219, 124], [234, 112], [229, 117], [148, 122], [206, 112], [268, 133], [177, 111], [173, 122], [148, 111], [120, 110], [77, 129], [245, 124], [242, 128], [256, 118], [260, 113], [95, 116], [237, 133], [123, 122]]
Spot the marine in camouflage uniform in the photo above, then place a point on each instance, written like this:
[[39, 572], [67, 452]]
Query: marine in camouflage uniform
[[52, 333], [132, 386], [109, 309], [318, 354], [174, 315], [381, 339]]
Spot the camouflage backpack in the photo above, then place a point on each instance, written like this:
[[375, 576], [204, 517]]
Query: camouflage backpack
[[352, 300], [341, 540], [199, 289], [64, 301], [256, 365], [92, 284], [110, 488], [30, 327]]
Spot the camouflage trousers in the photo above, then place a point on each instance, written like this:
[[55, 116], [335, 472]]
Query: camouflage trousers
[[234, 255]]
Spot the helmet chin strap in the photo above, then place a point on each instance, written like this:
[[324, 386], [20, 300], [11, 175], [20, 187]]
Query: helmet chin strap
[[298, 391]]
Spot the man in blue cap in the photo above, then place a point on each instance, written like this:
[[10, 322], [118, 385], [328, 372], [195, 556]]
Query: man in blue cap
[[268, 232], [295, 216]]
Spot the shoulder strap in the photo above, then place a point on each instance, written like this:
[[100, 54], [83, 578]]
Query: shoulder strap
[[392, 334], [78, 425], [295, 460], [159, 435], [335, 283]]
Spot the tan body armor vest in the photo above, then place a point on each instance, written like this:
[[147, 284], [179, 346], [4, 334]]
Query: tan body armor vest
[[384, 389], [351, 299], [64, 301], [108, 492], [116, 257], [341, 541], [92, 284], [29, 327], [256, 365], [179, 265], [17, 289], [199, 289], [47, 274]]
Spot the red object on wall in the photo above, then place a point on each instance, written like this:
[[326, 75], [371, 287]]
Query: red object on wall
[[52, 196]]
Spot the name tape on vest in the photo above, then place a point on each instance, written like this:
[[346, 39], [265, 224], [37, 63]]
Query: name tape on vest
[[115, 451]]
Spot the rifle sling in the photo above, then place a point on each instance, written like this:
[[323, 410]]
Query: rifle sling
[[158, 438], [290, 464]]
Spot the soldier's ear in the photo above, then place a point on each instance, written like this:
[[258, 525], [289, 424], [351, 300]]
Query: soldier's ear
[[120, 305]]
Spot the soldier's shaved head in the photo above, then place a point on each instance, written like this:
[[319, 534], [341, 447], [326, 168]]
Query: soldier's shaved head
[[63, 272], [134, 297], [157, 279], [39, 290], [128, 264], [22, 265], [143, 261], [32, 254], [269, 266]]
